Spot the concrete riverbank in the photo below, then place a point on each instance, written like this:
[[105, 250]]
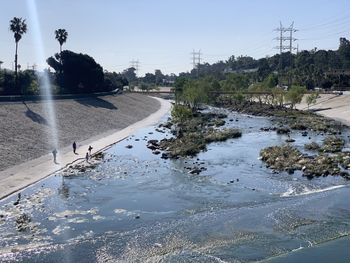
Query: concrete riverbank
[[26, 152], [331, 106]]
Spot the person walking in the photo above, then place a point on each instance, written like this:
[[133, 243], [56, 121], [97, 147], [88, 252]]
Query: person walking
[[87, 157], [74, 147], [90, 148], [54, 153]]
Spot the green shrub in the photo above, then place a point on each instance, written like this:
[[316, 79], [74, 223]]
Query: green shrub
[[181, 112]]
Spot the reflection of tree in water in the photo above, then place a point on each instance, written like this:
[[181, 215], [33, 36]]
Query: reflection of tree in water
[[63, 191]]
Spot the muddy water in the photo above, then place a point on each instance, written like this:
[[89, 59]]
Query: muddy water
[[136, 207]]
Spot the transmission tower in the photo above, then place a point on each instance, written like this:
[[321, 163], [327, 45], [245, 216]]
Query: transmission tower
[[282, 38], [196, 60], [135, 64], [283, 31]]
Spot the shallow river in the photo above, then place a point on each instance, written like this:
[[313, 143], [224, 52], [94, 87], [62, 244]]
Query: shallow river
[[136, 207]]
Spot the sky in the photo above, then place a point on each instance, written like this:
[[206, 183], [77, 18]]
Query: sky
[[161, 34]]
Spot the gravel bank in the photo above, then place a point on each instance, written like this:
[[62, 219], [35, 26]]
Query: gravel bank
[[24, 128]]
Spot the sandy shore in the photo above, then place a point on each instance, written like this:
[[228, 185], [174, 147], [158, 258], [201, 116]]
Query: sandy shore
[[331, 106], [98, 122]]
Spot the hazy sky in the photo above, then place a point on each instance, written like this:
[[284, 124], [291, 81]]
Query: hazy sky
[[161, 34]]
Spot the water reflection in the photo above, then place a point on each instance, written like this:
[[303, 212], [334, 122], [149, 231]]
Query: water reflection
[[63, 190]]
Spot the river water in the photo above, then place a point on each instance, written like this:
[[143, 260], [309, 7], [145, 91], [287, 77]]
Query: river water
[[136, 207]]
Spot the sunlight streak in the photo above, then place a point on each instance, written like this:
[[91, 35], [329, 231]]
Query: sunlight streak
[[45, 86]]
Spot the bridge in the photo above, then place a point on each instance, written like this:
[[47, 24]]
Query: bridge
[[172, 92]]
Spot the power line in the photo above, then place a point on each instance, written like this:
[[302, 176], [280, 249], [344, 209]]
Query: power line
[[332, 22], [329, 36]]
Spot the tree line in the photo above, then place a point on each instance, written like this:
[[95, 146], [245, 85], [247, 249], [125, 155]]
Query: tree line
[[280, 80], [309, 68], [237, 89], [80, 73], [74, 72]]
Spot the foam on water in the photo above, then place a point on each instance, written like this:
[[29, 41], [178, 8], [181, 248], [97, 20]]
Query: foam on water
[[292, 191]]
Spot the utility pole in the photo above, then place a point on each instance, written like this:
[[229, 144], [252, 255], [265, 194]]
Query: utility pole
[[135, 64], [281, 39], [196, 60]]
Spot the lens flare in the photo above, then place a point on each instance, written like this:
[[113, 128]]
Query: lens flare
[[45, 86]]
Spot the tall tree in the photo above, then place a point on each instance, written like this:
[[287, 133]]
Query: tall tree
[[61, 36], [18, 26], [344, 52], [77, 73], [159, 76], [130, 74]]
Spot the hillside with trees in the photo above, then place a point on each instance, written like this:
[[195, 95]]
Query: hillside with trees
[[309, 68], [80, 73]]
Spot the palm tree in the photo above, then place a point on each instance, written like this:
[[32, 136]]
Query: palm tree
[[61, 36], [18, 26]]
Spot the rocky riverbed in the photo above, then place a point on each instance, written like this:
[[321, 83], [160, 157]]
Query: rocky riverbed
[[327, 158], [192, 135], [131, 205], [284, 116]]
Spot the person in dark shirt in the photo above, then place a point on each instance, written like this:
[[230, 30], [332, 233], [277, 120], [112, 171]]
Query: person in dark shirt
[[54, 153], [74, 147], [90, 148]]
